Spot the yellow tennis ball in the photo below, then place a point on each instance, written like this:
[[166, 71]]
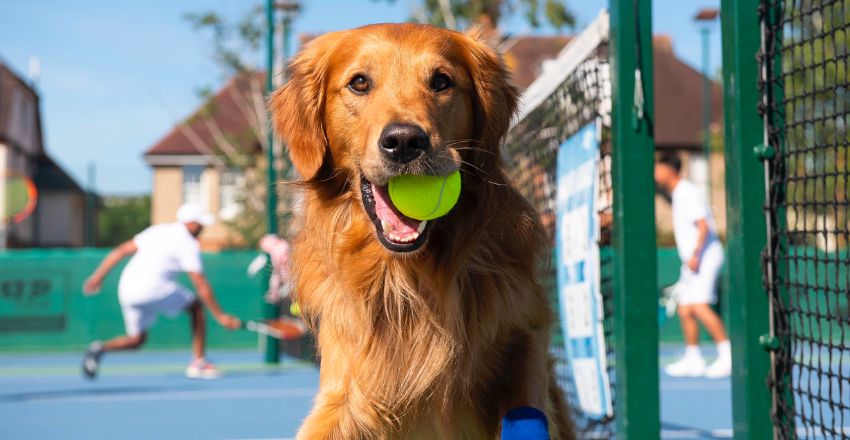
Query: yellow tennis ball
[[425, 197], [295, 309]]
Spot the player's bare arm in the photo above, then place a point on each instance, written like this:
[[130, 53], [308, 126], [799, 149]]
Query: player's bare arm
[[92, 284], [702, 226], [202, 286]]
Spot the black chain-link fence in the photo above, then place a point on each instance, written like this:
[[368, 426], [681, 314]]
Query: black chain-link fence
[[806, 107], [531, 150]]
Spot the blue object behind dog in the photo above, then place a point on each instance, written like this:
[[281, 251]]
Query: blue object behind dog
[[525, 423]]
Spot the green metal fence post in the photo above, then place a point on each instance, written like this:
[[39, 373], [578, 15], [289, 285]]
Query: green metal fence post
[[779, 336], [272, 353], [705, 34], [289, 10], [633, 239], [746, 230]]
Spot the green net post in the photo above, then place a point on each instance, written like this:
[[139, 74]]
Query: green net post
[[746, 227], [774, 152], [272, 347], [633, 239]]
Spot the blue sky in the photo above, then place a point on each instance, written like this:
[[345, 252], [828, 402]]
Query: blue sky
[[116, 76]]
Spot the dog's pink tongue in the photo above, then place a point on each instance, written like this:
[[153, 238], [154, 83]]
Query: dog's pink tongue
[[386, 211]]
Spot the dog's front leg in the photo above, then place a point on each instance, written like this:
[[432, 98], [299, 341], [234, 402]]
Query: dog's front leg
[[336, 416], [328, 420], [538, 389], [533, 389]]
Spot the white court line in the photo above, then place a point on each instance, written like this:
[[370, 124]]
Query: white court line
[[696, 385], [275, 438], [665, 433], [803, 432], [694, 433], [725, 433], [181, 395]]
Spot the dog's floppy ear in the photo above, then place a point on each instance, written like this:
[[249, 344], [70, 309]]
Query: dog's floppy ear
[[496, 98], [297, 108]]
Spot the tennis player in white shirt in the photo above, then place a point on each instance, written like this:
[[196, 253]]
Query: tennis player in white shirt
[[148, 288], [702, 258]]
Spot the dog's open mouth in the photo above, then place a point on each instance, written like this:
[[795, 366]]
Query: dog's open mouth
[[395, 231]]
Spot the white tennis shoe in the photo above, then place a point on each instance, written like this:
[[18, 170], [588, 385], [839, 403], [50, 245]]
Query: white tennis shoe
[[720, 368], [202, 369], [688, 366]]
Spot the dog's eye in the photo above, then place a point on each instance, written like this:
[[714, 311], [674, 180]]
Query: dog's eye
[[359, 84], [440, 82]]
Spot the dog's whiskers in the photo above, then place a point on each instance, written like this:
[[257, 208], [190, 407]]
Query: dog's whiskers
[[460, 142], [335, 175], [472, 165], [484, 178], [473, 149]]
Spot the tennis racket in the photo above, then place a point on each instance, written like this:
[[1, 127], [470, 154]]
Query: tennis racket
[[668, 302], [282, 328], [18, 197]]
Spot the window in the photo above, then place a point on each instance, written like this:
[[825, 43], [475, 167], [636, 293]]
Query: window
[[21, 125], [231, 186], [192, 185]]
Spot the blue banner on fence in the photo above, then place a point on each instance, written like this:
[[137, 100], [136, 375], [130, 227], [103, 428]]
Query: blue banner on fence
[[577, 251]]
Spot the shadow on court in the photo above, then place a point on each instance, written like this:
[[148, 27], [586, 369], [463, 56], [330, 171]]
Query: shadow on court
[[76, 393]]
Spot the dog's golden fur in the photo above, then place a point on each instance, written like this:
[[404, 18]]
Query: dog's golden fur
[[438, 343]]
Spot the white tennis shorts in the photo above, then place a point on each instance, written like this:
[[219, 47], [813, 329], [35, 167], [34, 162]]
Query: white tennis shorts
[[140, 316], [701, 287]]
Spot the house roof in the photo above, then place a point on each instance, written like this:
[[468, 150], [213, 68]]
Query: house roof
[[525, 55], [17, 98], [678, 99], [678, 87], [50, 176], [227, 110]]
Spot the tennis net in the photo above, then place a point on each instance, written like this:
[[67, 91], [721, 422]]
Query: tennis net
[[805, 86], [573, 92]]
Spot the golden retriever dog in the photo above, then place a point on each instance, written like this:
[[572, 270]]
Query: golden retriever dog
[[425, 329]]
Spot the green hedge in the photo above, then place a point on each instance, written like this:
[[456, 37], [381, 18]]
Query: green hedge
[[42, 306]]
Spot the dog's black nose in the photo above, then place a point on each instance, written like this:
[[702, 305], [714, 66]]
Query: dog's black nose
[[403, 142]]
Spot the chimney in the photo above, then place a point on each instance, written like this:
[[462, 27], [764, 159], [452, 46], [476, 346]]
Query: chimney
[[663, 42], [35, 71]]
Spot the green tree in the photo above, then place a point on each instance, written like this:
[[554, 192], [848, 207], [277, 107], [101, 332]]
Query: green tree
[[120, 218], [236, 44], [236, 49], [809, 115], [458, 14]]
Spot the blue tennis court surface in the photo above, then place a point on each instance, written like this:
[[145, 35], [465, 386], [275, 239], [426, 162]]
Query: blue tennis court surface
[[694, 408], [145, 395]]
